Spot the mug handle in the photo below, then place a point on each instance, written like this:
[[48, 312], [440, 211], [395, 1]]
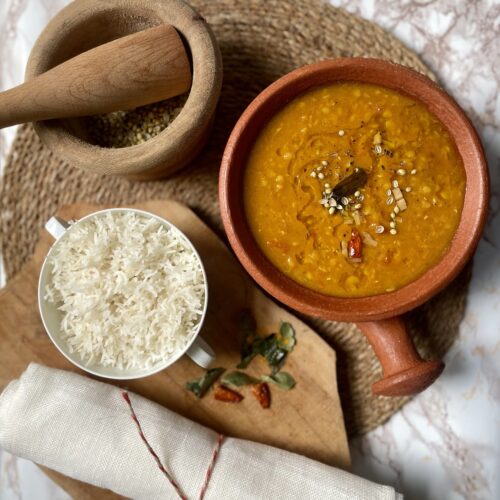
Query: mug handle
[[56, 227], [199, 351]]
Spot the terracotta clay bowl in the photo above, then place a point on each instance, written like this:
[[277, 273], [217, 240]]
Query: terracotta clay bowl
[[404, 372], [85, 24]]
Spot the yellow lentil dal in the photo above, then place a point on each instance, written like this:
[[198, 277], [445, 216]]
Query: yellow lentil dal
[[388, 230]]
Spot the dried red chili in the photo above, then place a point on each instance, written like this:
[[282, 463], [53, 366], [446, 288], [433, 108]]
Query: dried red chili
[[227, 395], [263, 394], [355, 246]]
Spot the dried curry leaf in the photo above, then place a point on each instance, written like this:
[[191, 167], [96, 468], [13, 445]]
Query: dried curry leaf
[[246, 358], [199, 387], [350, 184], [271, 348], [237, 379], [282, 379], [248, 328]]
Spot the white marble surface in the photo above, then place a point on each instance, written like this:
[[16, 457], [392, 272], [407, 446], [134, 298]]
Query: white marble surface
[[445, 444]]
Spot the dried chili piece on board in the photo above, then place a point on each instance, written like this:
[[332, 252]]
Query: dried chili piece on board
[[263, 394], [227, 395]]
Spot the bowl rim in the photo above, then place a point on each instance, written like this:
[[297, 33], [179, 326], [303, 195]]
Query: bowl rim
[[178, 143], [375, 307], [94, 370]]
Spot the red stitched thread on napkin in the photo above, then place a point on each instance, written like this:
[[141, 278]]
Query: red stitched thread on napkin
[[172, 481]]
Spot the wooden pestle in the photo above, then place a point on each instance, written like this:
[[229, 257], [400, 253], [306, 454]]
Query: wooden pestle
[[132, 71]]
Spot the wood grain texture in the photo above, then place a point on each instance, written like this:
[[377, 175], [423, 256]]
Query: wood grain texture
[[132, 71], [307, 420]]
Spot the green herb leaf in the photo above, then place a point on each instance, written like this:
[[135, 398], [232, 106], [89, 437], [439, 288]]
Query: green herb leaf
[[282, 379], [237, 379], [199, 387], [287, 334]]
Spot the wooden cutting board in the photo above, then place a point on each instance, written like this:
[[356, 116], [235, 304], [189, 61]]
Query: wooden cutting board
[[306, 420]]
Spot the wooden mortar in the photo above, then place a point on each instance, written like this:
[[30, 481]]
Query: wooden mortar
[[85, 24]]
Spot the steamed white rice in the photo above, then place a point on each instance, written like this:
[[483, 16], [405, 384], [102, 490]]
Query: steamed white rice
[[130, 290]]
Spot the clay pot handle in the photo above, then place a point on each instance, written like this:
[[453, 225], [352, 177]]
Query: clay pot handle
[[405, 372]]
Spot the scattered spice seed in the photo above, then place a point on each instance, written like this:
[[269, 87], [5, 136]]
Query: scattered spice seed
[[393, 231], [401, 171], [396, 209], [379, 229], [414, 171], [341, 133], [128, 128], [388, 192], [324, 163], [331, 210], [408, 189], [390, 200], [378, 149], [392, 224], [395, 184], [321, 175], [357, 194]]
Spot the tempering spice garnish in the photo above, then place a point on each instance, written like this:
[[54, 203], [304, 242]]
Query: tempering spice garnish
[[355, 247], [350, 184]]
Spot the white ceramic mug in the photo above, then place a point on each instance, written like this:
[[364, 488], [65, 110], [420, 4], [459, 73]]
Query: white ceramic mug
[[197, 349]]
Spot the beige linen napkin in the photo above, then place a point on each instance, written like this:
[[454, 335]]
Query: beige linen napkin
[[83, 428]]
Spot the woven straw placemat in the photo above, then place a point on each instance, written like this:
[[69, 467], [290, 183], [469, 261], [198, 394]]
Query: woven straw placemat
[[260, 41]]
